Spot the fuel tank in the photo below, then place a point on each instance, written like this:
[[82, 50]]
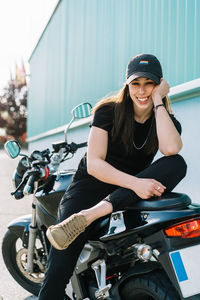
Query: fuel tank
[[50, 193]]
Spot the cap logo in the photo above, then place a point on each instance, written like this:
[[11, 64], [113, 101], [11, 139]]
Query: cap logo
[[143, 62]]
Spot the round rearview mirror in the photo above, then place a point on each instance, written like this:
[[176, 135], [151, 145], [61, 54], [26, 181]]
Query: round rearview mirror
[[12, 148], [82, 110]]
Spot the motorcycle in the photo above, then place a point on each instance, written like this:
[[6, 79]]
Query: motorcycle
[[151, 251]]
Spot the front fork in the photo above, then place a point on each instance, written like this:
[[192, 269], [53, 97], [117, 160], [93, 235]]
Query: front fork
[[33, 228]]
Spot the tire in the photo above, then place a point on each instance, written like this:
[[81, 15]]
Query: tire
[[14, 255], [151, 286]]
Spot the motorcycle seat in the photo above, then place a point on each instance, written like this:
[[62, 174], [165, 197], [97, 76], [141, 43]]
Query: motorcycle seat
[[167, 201]]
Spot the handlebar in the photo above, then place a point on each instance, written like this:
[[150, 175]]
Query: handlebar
[[73, 146], [38, 167], [81, 145], [18, 188], [28, 189], [70, 148]]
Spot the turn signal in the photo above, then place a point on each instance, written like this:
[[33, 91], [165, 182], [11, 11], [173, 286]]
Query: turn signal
[[186, 230]]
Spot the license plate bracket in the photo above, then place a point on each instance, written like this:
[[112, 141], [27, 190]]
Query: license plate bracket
[[186, 265]]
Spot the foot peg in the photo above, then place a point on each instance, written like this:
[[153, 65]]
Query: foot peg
[[99, 268]]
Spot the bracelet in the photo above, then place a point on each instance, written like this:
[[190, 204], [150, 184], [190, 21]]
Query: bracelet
[[156, 107]]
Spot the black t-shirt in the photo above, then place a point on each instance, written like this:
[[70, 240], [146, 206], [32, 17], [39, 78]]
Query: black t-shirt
[[131, 163]]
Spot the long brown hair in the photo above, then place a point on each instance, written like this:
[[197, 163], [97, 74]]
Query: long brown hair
[[124, 122]]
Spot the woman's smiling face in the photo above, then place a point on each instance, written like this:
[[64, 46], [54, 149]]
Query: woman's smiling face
[[140, 90]]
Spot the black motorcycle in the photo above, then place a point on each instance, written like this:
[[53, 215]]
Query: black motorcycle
[[149, 252]]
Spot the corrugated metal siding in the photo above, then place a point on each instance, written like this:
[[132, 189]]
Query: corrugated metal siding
[[84, 50]]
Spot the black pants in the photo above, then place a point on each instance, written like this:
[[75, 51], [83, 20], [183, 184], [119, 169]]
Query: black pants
[[86, 193]]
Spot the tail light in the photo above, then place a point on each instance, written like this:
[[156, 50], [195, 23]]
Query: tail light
[[185, 230]]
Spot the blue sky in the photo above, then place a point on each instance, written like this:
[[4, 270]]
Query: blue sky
[[21, 24]]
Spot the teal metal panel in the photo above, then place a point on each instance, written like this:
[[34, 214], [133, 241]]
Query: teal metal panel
[[83, 52]]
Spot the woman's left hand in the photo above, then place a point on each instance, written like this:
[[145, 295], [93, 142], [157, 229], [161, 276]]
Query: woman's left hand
[[161, 90]]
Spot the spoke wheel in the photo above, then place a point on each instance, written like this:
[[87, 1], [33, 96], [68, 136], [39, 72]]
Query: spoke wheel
[[15, 259], [37, 275]]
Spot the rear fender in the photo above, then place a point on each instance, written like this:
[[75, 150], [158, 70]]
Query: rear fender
[[139, 269], [20, 227]]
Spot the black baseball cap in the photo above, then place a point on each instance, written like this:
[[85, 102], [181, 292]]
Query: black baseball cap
[[144, 65]]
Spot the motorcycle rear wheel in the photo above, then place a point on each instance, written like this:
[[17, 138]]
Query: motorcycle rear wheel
[[14, 256], [152, 286]]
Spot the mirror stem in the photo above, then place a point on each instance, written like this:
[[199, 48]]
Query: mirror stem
[[67, 128]]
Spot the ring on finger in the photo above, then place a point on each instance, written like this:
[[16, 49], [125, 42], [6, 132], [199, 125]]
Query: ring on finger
[[158, 187]]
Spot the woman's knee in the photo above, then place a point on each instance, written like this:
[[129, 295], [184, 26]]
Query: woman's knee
[[121, 198], [179, 164]]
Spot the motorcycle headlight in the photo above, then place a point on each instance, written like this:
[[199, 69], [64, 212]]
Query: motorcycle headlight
[[22, 166], [16, 179]]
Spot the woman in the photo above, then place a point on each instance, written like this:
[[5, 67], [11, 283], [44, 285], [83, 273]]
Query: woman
[[126, 132]]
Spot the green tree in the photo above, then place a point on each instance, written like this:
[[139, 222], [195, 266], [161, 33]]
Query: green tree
[[13, 109]]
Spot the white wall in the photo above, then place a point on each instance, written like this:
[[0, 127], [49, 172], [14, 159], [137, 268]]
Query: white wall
[[188, 113]]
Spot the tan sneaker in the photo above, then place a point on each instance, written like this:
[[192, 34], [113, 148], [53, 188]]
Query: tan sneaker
[[63, 234]]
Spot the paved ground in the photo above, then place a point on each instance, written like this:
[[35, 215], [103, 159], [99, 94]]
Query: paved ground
[[9, 210]]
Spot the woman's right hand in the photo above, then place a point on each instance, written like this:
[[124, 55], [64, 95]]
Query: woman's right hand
[[146, 188]]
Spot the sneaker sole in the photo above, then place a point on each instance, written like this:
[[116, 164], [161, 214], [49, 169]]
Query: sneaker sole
[[52, 241]]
